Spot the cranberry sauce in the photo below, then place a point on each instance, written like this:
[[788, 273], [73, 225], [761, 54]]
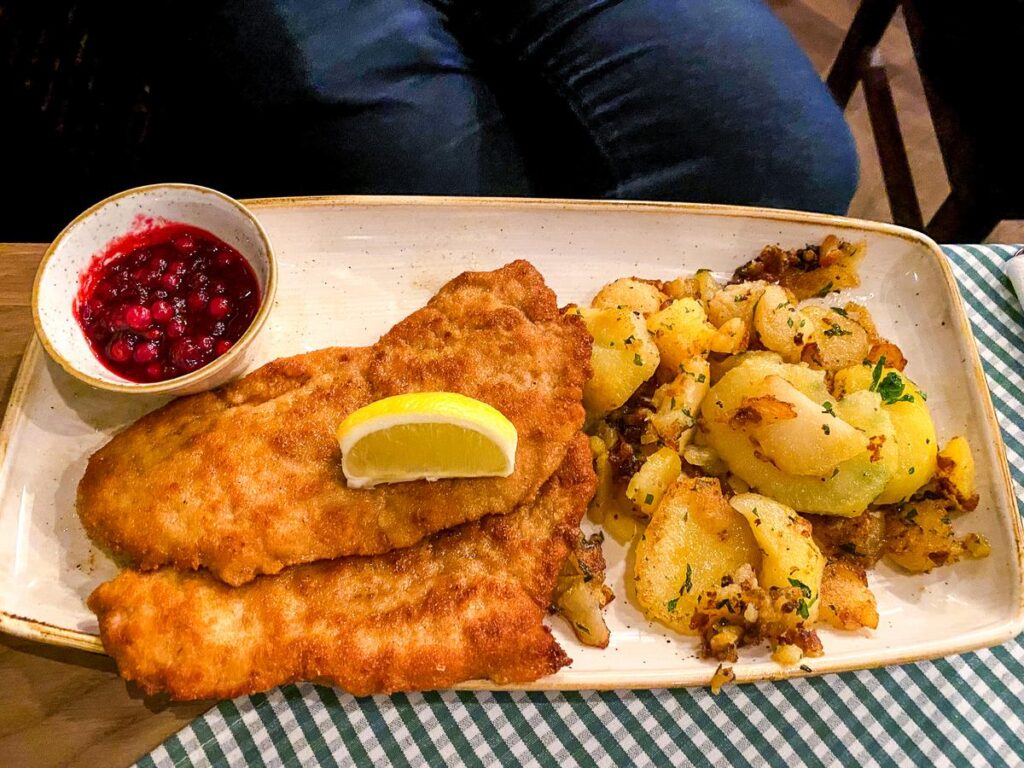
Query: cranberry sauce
[[163, 302]]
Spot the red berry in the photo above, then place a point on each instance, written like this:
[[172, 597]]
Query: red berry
[[157, 264], [219, 287], [196, 300], [177, 268], [219, 306], [204, 342], [137, 317], [154, 371], [176, 327], [224, 259], [119, 350], [184, 244], [106, 291], [170, 281], [186, 355], [162, 311], [222, 346], [146, 352]]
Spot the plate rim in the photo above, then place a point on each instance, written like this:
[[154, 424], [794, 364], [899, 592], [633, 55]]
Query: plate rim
[[43, 632]]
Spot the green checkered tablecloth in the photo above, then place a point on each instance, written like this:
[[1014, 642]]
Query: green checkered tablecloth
[[963, 710]]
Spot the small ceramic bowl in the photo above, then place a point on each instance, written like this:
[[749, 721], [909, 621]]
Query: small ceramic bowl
[[57, 281]]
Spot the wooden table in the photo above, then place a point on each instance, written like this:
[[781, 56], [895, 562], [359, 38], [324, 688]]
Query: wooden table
[[58, 706]]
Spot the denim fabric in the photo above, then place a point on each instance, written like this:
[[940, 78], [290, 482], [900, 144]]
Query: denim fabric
[[700, 100]]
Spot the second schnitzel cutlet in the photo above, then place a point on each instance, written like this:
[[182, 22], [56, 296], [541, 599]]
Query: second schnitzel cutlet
[[464, 604], [247, 479]]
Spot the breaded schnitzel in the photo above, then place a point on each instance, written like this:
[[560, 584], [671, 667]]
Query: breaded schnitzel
[[465, 604], [247, 479]]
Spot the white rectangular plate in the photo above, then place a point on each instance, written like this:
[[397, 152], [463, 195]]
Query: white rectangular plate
[[352, 267]]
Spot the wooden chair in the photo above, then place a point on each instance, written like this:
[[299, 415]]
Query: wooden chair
[[971, 71]]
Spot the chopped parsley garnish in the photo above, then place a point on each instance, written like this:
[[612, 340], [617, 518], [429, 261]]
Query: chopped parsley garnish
[[741, 297], [630, 339], [780, 306], [836, 330], [826, 429], [789, 322], [649, 498], [839, 311], [701, 378], [827, 408], [825, 290], [671, 604], [910, 471], [637, 360], [803, 587], [891, 389], [876, 374], [688, 584]]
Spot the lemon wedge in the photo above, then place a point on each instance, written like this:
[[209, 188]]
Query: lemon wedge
[[425, 436]]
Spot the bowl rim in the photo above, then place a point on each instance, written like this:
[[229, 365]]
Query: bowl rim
[[179, 382]]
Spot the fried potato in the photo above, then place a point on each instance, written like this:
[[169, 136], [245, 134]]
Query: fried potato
[[919, 536], [790, 556], [846, 601], [581, 593], [781, 326], [915, 432], [677, 403], [955, 474], [681, 332], [852, 484], [733, 337], [647, 486], [735, 301], [837, 262], [643, 296], [609, 507], [693, 540], [834, 340], [623, 357]]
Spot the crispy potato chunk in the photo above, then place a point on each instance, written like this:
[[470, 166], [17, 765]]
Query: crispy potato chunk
[[735, 301], [677, 403], [790, 556], [647, 486], [694, 539], [919, 536], [732, 338], [623, 357], [846, 601], [581, 594], [955, 474], [643, 296], [780, 325], [834, 340], [681, 332]]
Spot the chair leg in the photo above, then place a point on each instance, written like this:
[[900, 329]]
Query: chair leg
[[963, 218], [866, 30], [892, 153]]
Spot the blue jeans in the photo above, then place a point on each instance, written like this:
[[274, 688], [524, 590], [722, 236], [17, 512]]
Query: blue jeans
[[696, 100]]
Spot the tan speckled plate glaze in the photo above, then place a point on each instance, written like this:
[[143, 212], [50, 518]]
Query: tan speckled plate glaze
[[350, 267]]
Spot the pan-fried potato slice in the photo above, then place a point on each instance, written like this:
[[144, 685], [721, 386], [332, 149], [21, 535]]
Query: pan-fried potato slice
[[849, 488], [681, 332], [810, 439], [623, 357], [846, 601], [630, 293], [915, 431], [781, 326], [648, 485], [790, 556], [735, 301], [609, 508], [693, 540]]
